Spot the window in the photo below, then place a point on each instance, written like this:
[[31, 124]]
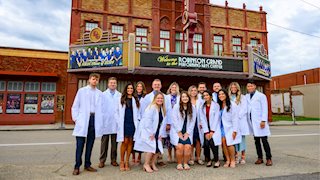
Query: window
[[2, 85], [32, 86], [91, 25], [165, 41], [48, 87], [141, 36], [179, 45], [236, 43], [15, 86], [254, 42], [197, 44], [218, 45], [118, 31]]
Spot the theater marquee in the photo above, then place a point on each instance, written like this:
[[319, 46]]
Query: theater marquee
[[161, 60]]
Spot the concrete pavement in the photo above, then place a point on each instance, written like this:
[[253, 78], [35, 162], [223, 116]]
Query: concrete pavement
[[50, 155]]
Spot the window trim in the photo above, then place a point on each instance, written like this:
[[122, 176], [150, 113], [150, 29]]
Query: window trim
[[218, 43], [90, 21], [237, 45], [118, 34]]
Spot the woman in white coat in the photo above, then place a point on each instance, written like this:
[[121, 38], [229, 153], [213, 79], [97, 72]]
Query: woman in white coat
[[151, 130], [229, 127], [258, 121], [127, 124], [241, 101], [172, 98], [183, 120], [141, 92], [197, 135], [210, 122]]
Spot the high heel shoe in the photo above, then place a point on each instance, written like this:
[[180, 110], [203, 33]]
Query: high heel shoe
[[122, 168], [226, 164], [233, 164], [126, 166], [147, 169], [154, 167]]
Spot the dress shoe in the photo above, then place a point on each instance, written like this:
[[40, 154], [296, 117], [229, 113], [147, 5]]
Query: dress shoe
[[269, 162], [101, 165], [114, 163], [90, 169], [76, 172], [259, 161]]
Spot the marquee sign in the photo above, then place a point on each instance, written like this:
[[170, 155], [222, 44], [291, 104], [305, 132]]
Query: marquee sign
[[148, 59]]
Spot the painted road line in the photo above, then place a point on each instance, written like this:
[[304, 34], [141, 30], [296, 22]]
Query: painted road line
[[35, 144]]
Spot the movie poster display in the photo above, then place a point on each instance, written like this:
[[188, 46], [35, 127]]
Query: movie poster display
[[31, 103], [106, 55], [13, 103], [1, 103], [47, 104]]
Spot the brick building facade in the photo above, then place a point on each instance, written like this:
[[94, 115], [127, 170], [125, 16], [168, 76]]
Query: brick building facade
[[157, 25], [29, 84]]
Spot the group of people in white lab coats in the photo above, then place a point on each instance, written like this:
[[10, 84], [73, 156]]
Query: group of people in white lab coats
[[184, 122]]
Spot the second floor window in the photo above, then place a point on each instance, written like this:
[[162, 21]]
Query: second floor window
[[197, 44], [141, 36], [165, 41], [236, 43], [254, 42], [118, 31], [91, 25], [218, 45]]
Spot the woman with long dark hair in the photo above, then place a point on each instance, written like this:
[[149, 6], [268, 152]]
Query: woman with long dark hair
[[229, 127], [183, 120], [128, 123]]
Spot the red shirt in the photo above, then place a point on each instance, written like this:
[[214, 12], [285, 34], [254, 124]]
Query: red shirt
[[207, 112]]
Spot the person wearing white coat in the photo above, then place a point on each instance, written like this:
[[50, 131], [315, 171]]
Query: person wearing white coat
[[197, 135], [241, 101], [111, 100], [229, 127], [141, 93], [127, 124], [172, 98], [152, 128], [258, 121], [183, 119], [216, 88], [209, 115], [87, 114]]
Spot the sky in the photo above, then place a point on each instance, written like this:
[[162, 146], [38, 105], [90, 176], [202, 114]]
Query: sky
[[45, 24]]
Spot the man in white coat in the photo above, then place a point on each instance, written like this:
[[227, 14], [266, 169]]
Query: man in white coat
[[87, 114], [258, 120], [111, 100], [202, 86], [216, 88]]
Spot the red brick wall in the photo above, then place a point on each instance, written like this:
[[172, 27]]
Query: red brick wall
[[293, 79]]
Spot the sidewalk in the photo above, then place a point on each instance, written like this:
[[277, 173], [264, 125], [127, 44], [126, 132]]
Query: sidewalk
[[71, 126]]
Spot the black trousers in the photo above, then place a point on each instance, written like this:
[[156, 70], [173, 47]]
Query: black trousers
[[209, 144], [266, 147], [89, 145]]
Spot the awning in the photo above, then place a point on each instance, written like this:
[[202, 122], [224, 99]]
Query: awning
[[23, 73]]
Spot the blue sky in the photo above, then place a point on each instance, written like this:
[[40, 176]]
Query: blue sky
[[45, 24]]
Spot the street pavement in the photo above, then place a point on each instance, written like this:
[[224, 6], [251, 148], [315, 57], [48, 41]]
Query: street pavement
[[49, 154]]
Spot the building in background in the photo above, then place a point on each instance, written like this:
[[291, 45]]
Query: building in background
[[31, 84], [299, 90], [158, 45]]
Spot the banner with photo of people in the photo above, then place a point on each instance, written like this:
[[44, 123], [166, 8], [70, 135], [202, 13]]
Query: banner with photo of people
[[31, 103], [107, 55], [13, 103], [47, 104]]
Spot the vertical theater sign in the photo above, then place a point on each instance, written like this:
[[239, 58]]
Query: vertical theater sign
[[259, 64]]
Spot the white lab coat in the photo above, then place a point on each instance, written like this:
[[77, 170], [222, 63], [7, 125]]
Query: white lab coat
[[215, 97], [177, 124], [214, 122], [243, 116], [169, 107], [198, 106], [148, 127], [230, 121], [145, 102], [111, 111], [258, 107], [80, 112], [120, 126]]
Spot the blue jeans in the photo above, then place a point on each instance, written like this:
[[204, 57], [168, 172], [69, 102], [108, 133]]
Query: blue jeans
[[89, 145]]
